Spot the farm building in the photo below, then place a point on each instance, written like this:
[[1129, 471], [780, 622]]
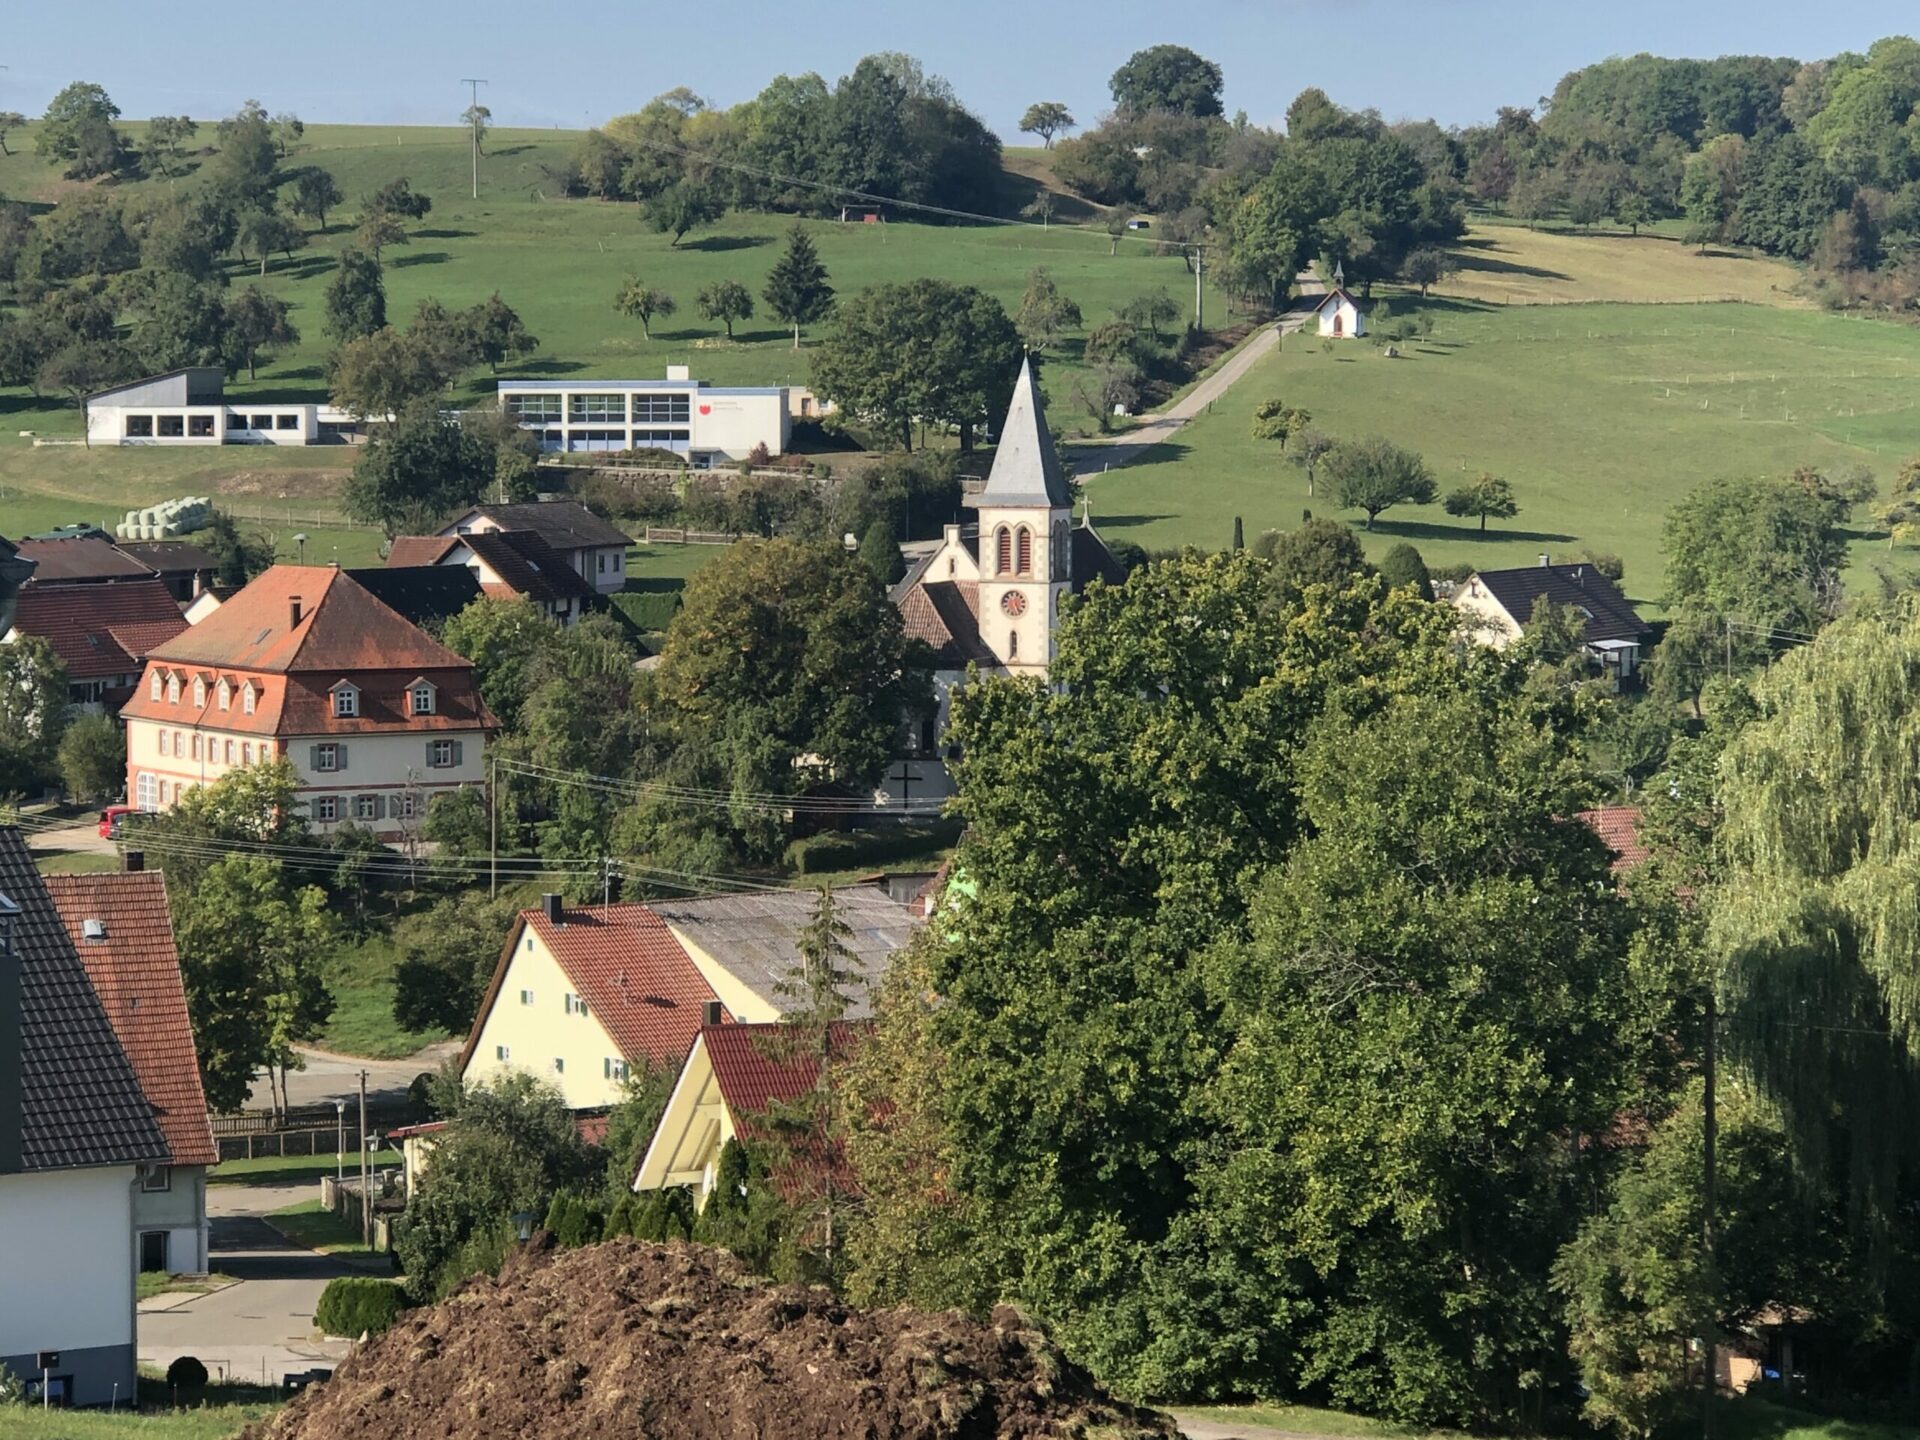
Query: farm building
[[189, 407], [707, 424]]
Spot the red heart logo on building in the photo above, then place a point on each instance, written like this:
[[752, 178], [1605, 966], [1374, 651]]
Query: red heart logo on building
[[706, 409]]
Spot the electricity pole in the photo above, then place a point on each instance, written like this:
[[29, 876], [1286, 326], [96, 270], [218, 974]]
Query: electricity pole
[[366, 1178], [1199, 269], [473, 89]]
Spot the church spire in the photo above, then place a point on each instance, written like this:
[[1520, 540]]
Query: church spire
[[1026, 472]]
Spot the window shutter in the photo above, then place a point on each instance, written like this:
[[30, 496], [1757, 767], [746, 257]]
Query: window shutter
[[313, 759], [379, 807], [456, 752], [340, 756], [430, 754]]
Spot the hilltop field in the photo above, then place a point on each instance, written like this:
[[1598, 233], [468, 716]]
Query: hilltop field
[[1603, 374]]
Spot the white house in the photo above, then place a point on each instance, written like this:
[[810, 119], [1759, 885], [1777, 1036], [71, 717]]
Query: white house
[[596, 549], [76, 1131], [189, 407], [1498, 605], [376, 716], [708, 424], [1338, 315]]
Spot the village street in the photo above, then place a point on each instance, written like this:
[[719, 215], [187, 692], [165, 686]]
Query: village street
[[1161, 426]]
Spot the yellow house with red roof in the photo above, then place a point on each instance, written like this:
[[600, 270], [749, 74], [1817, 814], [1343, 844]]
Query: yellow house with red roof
[[376, 716]]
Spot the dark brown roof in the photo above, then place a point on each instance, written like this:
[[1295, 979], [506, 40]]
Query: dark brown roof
[[1093, 561], [81, 560], [100, 630], [528, 566], [1585, 589], [81, 1102], [563, 524], [172, 557], [135, 971], [424, 594]]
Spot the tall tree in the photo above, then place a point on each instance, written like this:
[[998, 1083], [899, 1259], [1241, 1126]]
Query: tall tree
[[683, 207], [1045, 314], [1307, 446], [725, 301], [498, 333], [266, 230], [33, 703], [412, 473], [640, 301], [1046, 118], [478, 119], [164, 146], [78, 130], [315, 192], [1167, 77], [256, 322], [1374, 475], [93, 758], [356, 296], [797, 290]]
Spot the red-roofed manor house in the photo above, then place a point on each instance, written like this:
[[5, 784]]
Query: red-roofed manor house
[[376, 716]]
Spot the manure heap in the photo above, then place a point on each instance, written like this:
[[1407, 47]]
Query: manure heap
[[630, 1340]]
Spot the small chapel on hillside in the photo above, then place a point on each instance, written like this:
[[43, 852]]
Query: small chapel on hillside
[[990, 595]]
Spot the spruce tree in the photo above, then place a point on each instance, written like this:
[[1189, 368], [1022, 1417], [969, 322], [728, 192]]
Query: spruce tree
[[797, 290]]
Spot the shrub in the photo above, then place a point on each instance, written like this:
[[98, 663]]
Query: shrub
[[571, 1222], [1611, 566], [357, 1305], [186, 1373], [855, 849], [663, 1215], [759, 455]]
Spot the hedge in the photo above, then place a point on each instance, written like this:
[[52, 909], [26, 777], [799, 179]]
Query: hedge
[[647, 611], [862, 849], [355, 1305]]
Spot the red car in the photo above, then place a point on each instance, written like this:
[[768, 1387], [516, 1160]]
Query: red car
[[113, 820]]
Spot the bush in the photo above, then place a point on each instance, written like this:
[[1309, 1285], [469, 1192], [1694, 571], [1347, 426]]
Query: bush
[[1611, 566], [186, 1373], [647, 611], [354, 1305], [662, 1215], [572, 1222], [857, 849]]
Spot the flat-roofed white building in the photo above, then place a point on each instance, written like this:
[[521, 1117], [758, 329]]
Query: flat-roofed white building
[[189, 407], [708, 424]]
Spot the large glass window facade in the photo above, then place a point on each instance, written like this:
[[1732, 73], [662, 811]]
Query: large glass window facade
[[532, 409], [596, 409], [674, 408]]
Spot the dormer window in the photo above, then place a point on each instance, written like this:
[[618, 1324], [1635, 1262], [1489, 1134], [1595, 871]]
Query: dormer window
[[199, 693], [173, 689], [226, 694], [158, 686], [247, 697], [346, 701], [420, 698]]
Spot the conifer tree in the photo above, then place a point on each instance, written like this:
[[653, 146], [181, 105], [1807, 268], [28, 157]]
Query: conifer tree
[[797, 291]]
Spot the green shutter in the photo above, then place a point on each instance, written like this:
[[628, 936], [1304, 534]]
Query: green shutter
[[457, 748]]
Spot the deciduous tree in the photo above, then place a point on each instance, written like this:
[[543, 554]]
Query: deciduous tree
[[315, 192], [1045, 314], [640, 301], [93, 758], [356, 296], [1488, 496], [415, 471], [256, 322], [725, 301], [1167, 77], [1046, 118], [682, 207], [1374, 475]]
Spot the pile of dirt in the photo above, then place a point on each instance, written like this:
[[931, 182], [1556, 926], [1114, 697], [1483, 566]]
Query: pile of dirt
[[635, 1341]]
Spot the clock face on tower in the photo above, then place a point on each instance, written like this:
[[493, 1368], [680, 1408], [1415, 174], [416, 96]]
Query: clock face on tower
[[1014, 603]]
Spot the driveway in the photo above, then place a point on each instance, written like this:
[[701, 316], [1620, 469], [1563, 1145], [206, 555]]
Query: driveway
[[1162, 425], [261, 1328], [328, 1077], [82, 839]]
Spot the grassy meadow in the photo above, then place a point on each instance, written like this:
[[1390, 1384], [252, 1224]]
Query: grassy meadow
[[1600, 415]]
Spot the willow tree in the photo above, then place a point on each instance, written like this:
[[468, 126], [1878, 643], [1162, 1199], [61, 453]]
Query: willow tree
[[1818, 918]]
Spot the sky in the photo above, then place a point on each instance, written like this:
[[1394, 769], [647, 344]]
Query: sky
[[571, 64]]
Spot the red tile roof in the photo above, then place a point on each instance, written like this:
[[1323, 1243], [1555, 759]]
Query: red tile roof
[[408, 551], [754, 1076], [135, 971], [81, 560], [1618, 827], [625, 963], [92, 627], [945, 614]]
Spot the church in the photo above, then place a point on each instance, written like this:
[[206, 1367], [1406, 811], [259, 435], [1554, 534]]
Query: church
[[990, 596]]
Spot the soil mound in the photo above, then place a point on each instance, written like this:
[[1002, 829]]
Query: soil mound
[[635, 1341]]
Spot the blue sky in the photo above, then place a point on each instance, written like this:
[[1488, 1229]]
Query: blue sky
[[571, 64]]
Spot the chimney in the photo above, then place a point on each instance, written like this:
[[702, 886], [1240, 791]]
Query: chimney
[[551, 905], [293, 605], [710, 1012], [134, 861], [1545, 559], [13, 1113]]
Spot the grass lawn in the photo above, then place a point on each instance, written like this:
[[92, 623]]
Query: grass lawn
[[360, 975], [277, 1169], [1736, 1419], [1600, 415], [317, 1229], [158, 1282], [215, 1422], [1511, 265], [74, 862], [1301, 1419]]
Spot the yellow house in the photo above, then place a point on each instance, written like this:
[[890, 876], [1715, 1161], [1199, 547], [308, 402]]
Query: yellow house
[[1496, 606], [733, 1074], [582, 994]]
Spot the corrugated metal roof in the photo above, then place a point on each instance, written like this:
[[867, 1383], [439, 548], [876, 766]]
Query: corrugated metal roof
[[756, 936]]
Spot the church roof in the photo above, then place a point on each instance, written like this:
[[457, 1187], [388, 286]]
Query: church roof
[[1026, 470], [946, 615]]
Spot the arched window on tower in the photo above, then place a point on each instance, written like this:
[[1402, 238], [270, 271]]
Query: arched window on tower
[[1013, 646], [1003, 550], [1024, 551]]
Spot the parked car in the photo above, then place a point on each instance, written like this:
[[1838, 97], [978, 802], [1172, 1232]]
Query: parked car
[[113, 820]]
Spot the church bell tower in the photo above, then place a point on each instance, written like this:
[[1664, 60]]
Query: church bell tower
[[1026, 559]]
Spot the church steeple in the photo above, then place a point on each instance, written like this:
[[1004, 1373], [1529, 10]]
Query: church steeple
[[1026, 472]]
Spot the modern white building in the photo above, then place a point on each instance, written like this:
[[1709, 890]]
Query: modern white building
[[189, 407], [708, 424]]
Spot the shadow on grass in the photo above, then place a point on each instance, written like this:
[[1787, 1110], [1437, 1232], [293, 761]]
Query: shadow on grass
[[444, 234], [503, 153], [1123, 522], [715, 243], [1425, 530], [430, 257], [549, 366], [1489, 265], [303, 269], [763, 337]]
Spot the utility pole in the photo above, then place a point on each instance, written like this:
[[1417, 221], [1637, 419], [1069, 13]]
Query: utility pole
[[1199, 269], [1708, 1207], [473, 130], [366, 1167], [493, 831]]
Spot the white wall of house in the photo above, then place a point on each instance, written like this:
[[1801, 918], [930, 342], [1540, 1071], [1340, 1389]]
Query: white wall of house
[[532, 1025], [604, 567], [708, 424], [179, 1211], [1343, 318], [1484, 618], [69, 1275]]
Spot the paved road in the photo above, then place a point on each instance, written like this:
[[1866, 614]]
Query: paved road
[[328, 1077], [261, 1328], [1161, 426], [84, 838]]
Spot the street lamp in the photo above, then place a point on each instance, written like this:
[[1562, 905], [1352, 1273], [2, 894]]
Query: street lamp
[[301, 540], [339, 1138], [523, 1221]]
